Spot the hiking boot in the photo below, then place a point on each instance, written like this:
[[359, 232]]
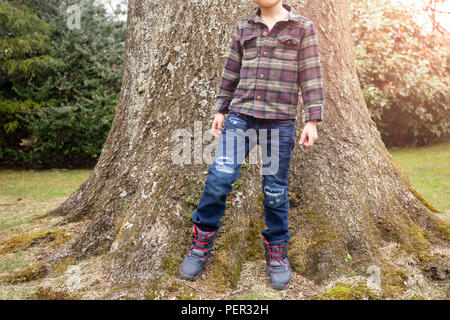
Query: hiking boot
[[277, 265], [199, 252]]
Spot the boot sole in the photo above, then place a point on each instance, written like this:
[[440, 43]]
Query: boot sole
[[187, 277], [280, 286]]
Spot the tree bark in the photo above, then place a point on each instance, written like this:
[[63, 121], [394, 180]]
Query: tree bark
[[348, 197]]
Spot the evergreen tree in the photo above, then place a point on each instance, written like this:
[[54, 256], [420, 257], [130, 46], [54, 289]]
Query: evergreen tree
[[74, 100]]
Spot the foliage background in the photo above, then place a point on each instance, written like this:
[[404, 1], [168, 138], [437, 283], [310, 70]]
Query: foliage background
[[403, 71], [59, 87]]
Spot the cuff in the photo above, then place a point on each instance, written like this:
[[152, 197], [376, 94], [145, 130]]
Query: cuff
[[313, 113], [221, 105]]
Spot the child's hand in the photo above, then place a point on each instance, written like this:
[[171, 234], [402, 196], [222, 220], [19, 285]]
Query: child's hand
[[217, 124], [309, 133]]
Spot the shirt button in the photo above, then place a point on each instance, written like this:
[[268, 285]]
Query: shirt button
[[261, 76], [265, 53], [258, 98], [265, 34]]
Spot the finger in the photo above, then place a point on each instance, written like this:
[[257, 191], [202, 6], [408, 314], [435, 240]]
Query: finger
[[303, 137], [218, 126], [214, 129], [307, 140], [311, 140], [307, 144]]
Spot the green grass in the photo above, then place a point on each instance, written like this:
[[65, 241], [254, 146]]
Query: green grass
[[428, 169], [40, 184], [27, 193], [11, 262], [24, 195]]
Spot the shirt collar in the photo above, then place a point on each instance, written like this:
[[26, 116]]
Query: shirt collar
[[293, 15]]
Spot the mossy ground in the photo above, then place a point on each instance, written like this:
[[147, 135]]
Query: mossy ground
[[348, 291], [27, 234], [22, 242], [35, 271], [46, 293]]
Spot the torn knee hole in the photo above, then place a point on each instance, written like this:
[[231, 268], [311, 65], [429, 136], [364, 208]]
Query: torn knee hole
[[224, 164], [224, 160], [225, 169], [274, 197]]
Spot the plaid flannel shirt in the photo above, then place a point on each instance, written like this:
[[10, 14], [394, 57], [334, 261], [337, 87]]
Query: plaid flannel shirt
[[265, 72]]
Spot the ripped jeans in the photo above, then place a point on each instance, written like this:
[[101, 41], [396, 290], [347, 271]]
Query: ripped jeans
[[240, 135]]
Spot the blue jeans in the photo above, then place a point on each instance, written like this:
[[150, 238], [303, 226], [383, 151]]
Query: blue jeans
[[276, 149]]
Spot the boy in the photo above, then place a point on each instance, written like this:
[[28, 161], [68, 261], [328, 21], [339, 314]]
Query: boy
[[273, 53]]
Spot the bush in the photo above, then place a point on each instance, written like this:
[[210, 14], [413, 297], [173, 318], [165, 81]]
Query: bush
[[61, 116], [64, 136], [404, 73]]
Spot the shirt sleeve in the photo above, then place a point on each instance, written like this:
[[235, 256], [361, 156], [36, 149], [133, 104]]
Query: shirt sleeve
[[310, 76], [231, 73]]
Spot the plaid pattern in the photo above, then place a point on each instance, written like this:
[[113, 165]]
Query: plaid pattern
[[265, 72]]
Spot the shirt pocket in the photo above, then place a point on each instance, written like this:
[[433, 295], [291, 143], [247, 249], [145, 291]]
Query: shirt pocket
[[249, 47], [287, 47]]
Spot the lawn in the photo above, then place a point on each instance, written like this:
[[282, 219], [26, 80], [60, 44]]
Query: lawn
[[428, 169], [27, 193]]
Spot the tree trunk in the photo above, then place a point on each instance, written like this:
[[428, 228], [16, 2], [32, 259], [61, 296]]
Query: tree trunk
[[349, 200]]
